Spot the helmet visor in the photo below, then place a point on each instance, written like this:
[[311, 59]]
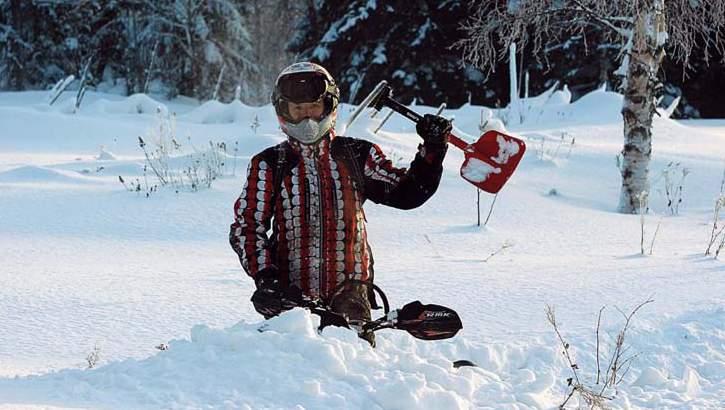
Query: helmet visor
[[302, 87]]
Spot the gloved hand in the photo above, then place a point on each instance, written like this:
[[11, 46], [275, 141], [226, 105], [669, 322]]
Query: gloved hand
[[268, 280], [434, 130], [270, 299]]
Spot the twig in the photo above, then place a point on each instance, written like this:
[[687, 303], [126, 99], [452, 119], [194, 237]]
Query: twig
[[478, 206], [142, 144], [551, 317], [716, 216], [721, 247], [643, 199], [427, 238], [619, 350], [505, 245], [490, 210], [654, 236], [571, 394], [599, 321]]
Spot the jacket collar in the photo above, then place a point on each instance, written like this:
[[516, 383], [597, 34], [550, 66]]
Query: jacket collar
[[317, 149]]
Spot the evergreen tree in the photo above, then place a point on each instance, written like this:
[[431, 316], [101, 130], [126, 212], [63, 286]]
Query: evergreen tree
[[408, 43], [186, 44], [27, 36], [202, 38]]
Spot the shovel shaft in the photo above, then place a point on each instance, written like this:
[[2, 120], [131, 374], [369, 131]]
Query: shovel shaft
[[452, 139], [415, 117], [401, 109]]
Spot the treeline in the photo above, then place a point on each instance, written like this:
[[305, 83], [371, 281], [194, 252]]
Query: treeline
[[226, 48], [202, 49]]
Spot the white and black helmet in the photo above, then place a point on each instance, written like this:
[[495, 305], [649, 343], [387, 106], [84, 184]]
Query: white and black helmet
[[301, 83]]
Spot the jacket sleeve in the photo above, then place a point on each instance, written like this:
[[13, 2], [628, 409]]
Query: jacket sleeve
[[399, 187], [252, 215]]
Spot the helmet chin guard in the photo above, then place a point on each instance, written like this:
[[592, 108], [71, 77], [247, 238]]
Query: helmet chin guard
[[309, 131]]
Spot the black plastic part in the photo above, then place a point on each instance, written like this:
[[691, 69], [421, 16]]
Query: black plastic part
[[389, 102], [385, 99], [385, 93], [428, 322], [463, 363]]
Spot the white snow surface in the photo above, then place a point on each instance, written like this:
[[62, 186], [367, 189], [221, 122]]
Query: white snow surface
[[478, 171], [87, 266]]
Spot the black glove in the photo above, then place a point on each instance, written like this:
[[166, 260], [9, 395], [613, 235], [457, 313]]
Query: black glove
[[434, 130], [270, 299], [267, 279]]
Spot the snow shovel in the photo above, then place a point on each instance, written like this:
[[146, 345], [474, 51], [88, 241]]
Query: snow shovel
[[489, 162]]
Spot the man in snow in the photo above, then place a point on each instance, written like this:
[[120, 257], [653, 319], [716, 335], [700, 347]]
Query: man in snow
[[310, 190]]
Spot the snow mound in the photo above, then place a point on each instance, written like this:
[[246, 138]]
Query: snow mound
[[134, 104], [39, 175], [598, 107], [681, 361], [105, 155], [100, 167], [215, 112], [285, 365], [560, 97]]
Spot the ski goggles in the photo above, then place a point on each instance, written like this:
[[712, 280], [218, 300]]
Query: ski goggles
[[303, 87]]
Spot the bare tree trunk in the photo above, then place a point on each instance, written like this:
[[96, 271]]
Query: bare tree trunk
[[638, 107]]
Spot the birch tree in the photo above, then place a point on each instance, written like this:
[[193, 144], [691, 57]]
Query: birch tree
[[646, 29]]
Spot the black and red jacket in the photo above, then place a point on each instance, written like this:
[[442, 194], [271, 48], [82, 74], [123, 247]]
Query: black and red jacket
[[312, 197]]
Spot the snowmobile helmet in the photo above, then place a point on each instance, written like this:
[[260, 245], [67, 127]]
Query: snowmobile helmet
[[306, 82]]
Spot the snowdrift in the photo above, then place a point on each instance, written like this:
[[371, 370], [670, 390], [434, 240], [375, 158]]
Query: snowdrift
[[42, 175], [133, 104], [285, 363]]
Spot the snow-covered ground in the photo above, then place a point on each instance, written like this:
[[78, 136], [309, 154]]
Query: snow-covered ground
[[86, 266]]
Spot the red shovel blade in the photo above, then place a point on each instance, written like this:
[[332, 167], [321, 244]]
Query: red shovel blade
[[491, 160]]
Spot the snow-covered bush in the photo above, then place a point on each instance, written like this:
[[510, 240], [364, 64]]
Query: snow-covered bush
[[548, 147], [616, 355], [172, 165], [93, 357], [718, 232], [643, 209], [673, 180]]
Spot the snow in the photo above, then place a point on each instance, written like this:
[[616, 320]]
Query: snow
[[506, 150], [134, 104], [379, 54], [87, 264], [478, 171], [351, 19], [422, 33]]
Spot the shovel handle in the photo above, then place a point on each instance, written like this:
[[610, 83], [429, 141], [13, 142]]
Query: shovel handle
[[401, 109], [459, 143], [415, 117]]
